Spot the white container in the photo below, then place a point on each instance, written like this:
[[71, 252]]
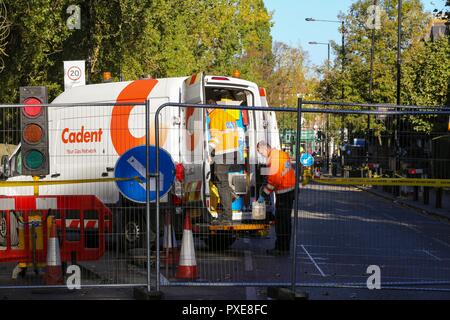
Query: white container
[[239, 216], [258, 211]]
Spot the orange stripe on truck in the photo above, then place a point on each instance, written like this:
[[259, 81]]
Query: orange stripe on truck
[[136, 91], [193, 78]]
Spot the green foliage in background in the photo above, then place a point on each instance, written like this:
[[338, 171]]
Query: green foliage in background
[[160, 38], [425, 64]]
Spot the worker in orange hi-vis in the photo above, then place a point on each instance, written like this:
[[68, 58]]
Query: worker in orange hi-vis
[[281, 180]]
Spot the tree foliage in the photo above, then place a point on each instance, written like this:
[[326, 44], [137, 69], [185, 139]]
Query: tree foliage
[[425, 64], [4, 33], [161, 38], [427, 80], [288, 81]]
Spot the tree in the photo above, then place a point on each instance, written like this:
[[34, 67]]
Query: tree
[[37, 33], [161, 38], [288, 81], [4, 33], [426, 80], [355, 77]]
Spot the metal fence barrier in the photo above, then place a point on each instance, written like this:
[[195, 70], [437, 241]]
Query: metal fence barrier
[[302, 259], [338, 230], [101, 234]]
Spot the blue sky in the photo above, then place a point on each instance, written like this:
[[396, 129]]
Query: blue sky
[[290, 25]]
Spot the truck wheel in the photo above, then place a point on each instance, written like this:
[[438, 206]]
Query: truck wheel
[[131, 229], [3, 231], [134, 231], [219, 242]]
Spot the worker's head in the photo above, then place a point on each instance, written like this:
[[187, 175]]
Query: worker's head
[[263, 148]]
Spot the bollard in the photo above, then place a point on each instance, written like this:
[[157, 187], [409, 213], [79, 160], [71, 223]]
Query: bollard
[[416, 193], [439, 192], [426, 195]]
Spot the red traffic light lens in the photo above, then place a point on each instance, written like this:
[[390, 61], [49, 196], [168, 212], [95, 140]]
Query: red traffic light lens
[[33, 133], [32, 111]]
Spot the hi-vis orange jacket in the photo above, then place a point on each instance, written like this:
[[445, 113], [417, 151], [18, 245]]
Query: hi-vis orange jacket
[[224, 131], [281, 175]]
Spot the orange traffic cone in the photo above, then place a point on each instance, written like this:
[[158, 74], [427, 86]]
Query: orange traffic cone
[[53, 273], [187, 269], [170, 253]]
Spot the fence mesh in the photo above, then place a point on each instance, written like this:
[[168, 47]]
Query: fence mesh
[[342, 229]]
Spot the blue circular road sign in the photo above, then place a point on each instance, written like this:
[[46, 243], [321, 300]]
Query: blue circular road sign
[[132, 164], [307, 160]]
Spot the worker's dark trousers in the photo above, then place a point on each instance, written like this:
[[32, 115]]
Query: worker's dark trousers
[[221, 172], [283, 220]]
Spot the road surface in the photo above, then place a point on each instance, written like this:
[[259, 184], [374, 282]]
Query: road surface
[[341, 232]]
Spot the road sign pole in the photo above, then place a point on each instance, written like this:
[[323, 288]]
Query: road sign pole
[[147, 191], [157, 200], [297, 181]]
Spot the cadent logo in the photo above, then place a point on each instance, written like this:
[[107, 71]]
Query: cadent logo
[[81, 136]]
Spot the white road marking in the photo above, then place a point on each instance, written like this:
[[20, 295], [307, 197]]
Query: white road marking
[[250, 292], [164, 281], [248, 261], [405, 225], [442, 242], [432, 255], [313, 261], [306, 258]]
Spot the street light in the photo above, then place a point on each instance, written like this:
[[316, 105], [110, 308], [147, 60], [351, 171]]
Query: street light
[[399, 82], [326, 44], [399, 51], [342, 22], [328, 118]]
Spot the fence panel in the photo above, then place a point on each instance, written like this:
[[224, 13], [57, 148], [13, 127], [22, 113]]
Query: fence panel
[[232, 252], [99, 231], [341, 233], [350, 231]]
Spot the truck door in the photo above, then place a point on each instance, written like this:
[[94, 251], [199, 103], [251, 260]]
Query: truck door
[[193, 89], [192, 139], [273, 136]]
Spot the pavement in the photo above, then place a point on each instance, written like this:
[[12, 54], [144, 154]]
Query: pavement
[[430, 208], [341, 231]]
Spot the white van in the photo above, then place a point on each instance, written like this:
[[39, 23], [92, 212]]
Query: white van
[[85, 142]]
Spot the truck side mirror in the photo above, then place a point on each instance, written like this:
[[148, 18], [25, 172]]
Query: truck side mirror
[[5, 166]]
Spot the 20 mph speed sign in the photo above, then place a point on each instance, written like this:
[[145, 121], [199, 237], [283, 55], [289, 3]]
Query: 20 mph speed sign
[[74, 74]]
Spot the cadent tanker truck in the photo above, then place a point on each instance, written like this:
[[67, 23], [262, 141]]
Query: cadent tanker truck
[[86, 142]]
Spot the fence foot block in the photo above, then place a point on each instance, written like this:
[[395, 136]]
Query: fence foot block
[[280, 293], [53, 290], [144, 294]]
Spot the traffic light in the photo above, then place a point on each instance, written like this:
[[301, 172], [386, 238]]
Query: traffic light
[[34, 128], [320, 136]]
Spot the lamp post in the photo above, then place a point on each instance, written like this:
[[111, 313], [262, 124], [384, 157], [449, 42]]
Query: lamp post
[[399, 51], [327, 121], [326, 44], [399, 82], [342, 22]]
